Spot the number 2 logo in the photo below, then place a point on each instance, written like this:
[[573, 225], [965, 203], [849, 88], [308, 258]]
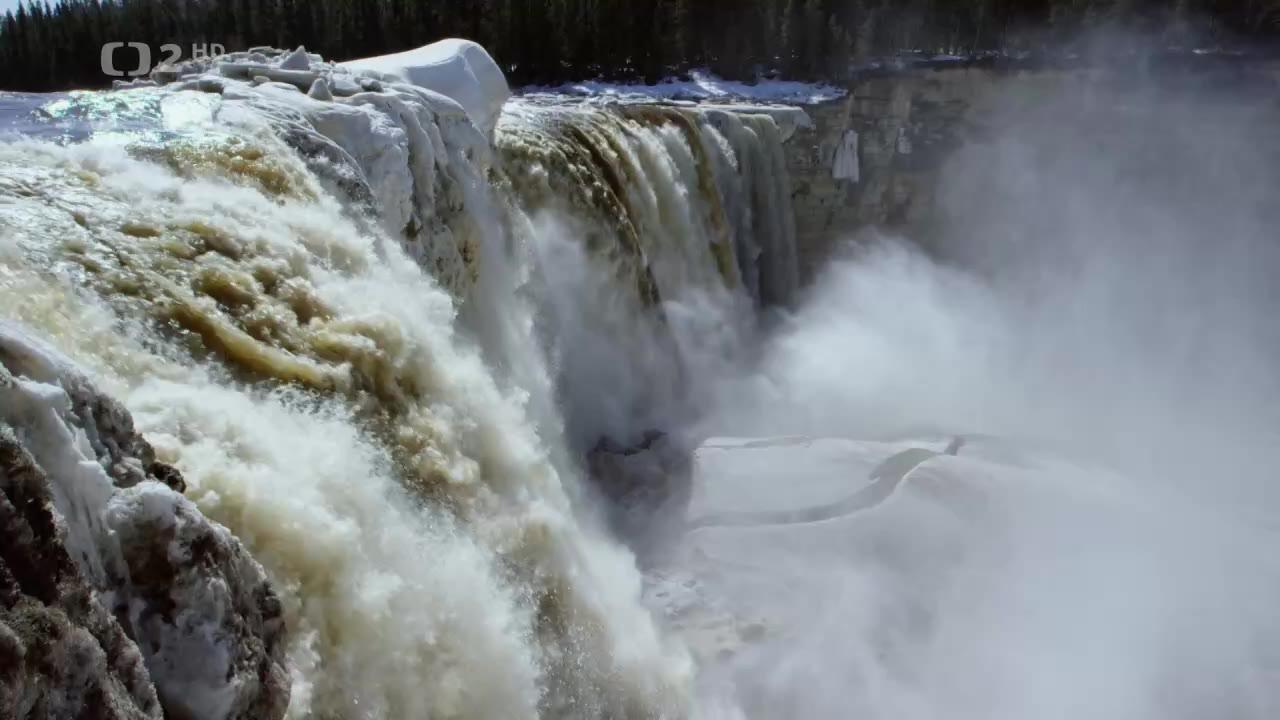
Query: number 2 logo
[[171, 54]]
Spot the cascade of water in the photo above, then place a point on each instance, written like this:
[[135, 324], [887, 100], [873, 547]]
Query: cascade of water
[[242, 265], [308, 380], [642, 206]]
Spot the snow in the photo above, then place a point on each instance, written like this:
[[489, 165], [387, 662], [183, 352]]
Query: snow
[[742, 476], [34, 403], [459, 69], [701, 85], [961, 564]]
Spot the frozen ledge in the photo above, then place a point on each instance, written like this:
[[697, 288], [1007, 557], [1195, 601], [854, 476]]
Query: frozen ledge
[[458, 72], [459, 69]]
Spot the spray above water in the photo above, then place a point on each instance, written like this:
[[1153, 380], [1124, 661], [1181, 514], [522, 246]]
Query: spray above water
[[1024, 474], [1096, 319], [658, 233]]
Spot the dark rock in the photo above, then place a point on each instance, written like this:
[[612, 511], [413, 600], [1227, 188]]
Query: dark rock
[[647, 485], [61, 651], [196, 593], [119, 600]]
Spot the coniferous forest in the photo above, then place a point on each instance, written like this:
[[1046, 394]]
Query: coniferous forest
[[56, 45]]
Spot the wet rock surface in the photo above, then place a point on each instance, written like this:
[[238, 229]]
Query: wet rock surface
[[647, 484], [910, 121], [118, 599], [62, 654]]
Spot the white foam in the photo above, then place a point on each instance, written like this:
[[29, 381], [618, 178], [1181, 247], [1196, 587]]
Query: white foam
[[395, 605]]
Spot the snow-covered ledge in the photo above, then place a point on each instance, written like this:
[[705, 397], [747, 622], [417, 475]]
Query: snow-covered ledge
[[458, 69], [407, 135]]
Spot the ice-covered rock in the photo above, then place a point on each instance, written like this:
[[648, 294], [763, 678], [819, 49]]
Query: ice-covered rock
[[60, 648], [409, 133], [297, 60], [115, 592], [459, 69], [202, 606]]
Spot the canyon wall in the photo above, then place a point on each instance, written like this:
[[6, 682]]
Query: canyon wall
[[909, 121]]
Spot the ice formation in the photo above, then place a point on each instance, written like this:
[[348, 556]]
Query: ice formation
[[417, 148], [117, 591], [459, 69], [847, 165]]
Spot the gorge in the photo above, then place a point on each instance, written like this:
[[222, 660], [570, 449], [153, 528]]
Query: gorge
[[365, 390]]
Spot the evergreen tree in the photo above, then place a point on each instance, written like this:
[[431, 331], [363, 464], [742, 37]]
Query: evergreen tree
[[55, 44]]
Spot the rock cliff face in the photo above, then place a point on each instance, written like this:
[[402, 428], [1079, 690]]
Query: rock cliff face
[[118, 599], [61, 651], [902, 126], [894, 130]]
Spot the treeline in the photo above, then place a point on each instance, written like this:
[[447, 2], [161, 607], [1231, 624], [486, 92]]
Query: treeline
[[55, 45]]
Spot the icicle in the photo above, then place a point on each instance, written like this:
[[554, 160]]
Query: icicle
[[846, 165]]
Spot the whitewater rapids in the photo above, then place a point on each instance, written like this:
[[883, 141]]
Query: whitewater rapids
[[347, 320], [307, 378], [659, 235]]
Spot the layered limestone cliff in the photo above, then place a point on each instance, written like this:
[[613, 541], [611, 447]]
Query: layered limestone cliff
[[870, 157], [875, 157]]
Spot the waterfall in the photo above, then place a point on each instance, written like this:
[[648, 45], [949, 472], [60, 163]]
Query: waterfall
[[694, 197], [658, 232], [376, 349]]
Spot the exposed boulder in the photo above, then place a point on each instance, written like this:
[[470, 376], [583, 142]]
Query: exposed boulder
[[61, 651], [647, 485], [196, 593], [118, 599]]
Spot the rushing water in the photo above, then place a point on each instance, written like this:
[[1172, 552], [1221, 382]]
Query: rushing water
[[659, 232], [376, 350], [379, 342]]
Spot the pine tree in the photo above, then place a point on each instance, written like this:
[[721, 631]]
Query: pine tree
[[51, 44]]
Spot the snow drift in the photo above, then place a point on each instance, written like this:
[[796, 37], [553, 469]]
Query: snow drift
[[459, 69]]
